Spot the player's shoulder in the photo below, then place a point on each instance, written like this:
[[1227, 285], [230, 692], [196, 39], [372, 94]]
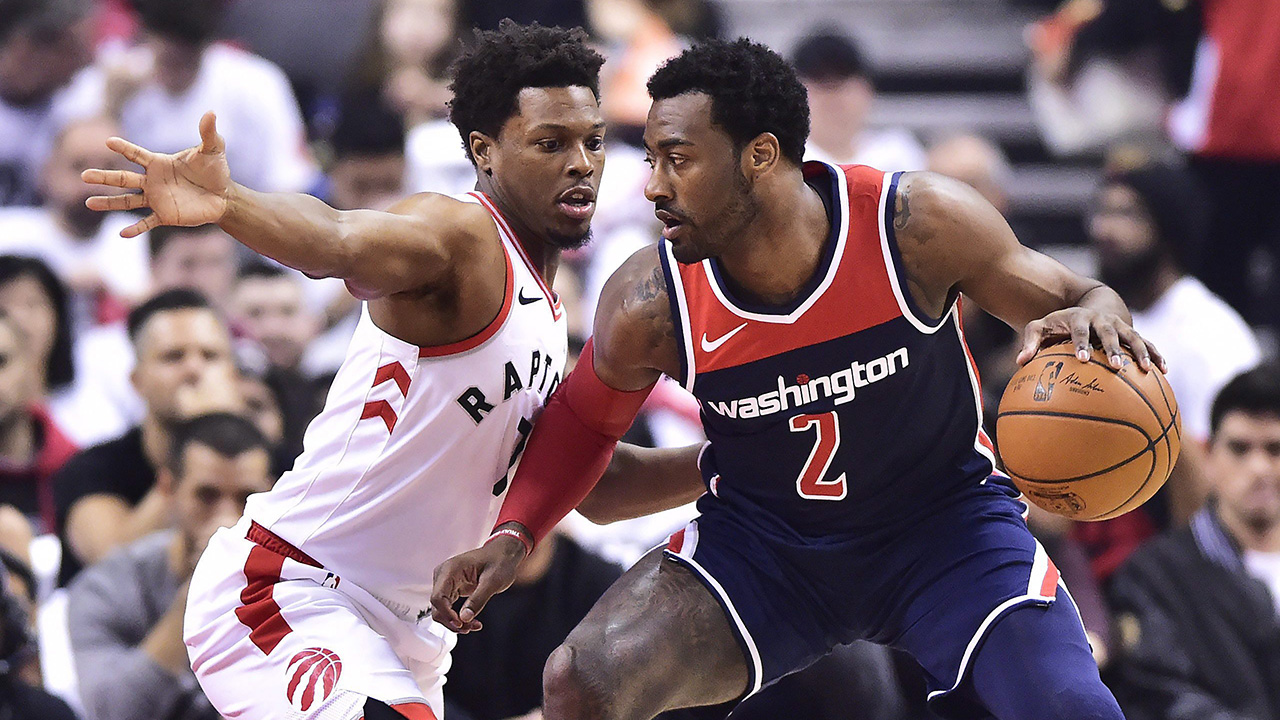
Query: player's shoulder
[[449, 217], [633, 316]]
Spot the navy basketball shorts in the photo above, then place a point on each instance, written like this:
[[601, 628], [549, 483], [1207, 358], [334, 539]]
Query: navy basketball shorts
[[932, 587]]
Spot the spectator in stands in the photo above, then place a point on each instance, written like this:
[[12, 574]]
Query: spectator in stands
[[125, 613], [419, 39], [36, 301], [20, 696], [263, 409], [190, 74], [368, 167], [106, 273], [268, 306], [1198, 608], [497, 674], [1221, 58], [32, 448], [841, 93], [107, 495], [43, 43], [1141, 224], [196, 258]]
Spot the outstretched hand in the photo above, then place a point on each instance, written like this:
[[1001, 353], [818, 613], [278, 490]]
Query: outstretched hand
[[1082, 326], [476, 575], [186, 188]]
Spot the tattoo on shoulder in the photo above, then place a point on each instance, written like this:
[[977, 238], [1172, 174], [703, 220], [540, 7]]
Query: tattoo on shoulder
[[653, 287], [902, 208]]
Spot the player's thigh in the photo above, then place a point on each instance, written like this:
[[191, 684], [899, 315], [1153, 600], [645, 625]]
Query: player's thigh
[[1035, 664], [656, 640], [290, 648]]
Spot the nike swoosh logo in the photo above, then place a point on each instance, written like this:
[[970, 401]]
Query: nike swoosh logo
[[527, 301], [712, 345]]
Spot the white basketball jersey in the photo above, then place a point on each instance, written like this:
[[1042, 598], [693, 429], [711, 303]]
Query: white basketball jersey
[[408, 463]]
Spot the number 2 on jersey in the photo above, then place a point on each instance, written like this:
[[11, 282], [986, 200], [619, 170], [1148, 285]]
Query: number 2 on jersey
[[811, 484]]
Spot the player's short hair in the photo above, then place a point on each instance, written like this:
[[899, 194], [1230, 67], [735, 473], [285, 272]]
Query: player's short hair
[[192, 21], [489, 75], [227, 434], [167, 301], [1255, 391], [752, 88], [60, 368]]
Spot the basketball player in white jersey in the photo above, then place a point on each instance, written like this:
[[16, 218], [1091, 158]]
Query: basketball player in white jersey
[[316, 604]]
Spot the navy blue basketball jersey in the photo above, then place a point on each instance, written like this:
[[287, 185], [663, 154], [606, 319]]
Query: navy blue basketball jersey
[[848, 409]]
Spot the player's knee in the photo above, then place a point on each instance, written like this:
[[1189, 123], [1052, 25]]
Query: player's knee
[[1091, 701], [579, 683]]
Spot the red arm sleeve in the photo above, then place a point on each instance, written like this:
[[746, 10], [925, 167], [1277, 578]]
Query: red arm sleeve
[[569, 448]]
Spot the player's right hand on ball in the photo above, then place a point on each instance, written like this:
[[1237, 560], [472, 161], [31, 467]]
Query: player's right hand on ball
[[476, 575], [187, 188]]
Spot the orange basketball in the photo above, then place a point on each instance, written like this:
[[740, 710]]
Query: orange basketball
[[1084, 440]]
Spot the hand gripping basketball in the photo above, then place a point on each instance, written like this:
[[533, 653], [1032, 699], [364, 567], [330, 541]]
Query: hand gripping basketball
[[1084, 326], [1086, 440], [187, 188]]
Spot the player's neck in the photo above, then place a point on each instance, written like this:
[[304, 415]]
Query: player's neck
[[781, 248], [543, 254]]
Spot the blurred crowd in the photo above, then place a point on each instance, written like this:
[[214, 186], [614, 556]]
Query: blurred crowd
[[149, 384]]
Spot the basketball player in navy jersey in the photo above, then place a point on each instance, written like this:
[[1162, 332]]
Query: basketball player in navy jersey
[[850, 491]]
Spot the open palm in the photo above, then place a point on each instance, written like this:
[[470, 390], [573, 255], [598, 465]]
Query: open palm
[[186, 188]]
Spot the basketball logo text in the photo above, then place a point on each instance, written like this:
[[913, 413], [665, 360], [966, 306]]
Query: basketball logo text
[[1045, 383]]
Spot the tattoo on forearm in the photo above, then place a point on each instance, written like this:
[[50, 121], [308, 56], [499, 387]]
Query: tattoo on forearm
[[902, 208]]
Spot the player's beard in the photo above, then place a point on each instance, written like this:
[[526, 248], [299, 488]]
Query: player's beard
[[569, 242]]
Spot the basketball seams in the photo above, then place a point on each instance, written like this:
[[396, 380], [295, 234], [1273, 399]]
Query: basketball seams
[[1150, 448]]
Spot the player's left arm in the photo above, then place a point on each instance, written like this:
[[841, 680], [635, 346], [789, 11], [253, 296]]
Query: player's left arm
[[952, 240]]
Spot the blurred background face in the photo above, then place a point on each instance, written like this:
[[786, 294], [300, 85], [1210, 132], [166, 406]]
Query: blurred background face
[[82, 145], [273, 311], [211, 491], [16, 378], [1244, 462], [177, 62], [838, 106], [371, 182], [1123, 234], [25, 302], [202, 259], [415, 31], [179, 348], [696, 186], [260, 406], [35, 62]]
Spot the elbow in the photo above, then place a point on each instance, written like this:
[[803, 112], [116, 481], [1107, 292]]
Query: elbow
[[599, 510]]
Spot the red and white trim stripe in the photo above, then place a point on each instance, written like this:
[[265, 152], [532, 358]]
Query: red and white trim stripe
[[1042, 589], [258, 609], [982, 443], [552, 299], [682, 545]]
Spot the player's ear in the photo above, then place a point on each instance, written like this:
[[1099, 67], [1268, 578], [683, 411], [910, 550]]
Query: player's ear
[[761, 155], [481, 146]]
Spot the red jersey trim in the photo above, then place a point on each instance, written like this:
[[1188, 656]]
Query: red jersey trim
[[552, 299], [490, 330], [841, 204]]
